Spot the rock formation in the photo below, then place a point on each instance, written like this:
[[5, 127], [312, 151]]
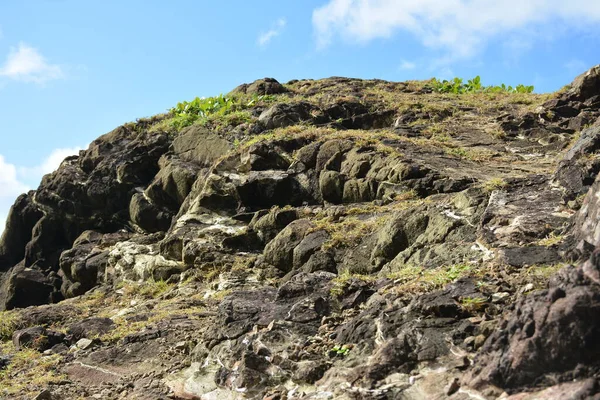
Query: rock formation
[[332, 239]]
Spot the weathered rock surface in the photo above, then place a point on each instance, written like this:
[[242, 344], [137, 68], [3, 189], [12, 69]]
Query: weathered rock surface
[[340, 239]]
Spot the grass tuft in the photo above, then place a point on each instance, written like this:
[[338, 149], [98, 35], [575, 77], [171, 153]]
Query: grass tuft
[[494, 184]]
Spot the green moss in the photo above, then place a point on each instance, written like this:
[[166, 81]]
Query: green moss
[[471, 154], [165, 310]]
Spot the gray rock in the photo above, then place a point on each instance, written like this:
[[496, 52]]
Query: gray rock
[[585, 85], [281, 115], [36, 337], [90, 327], [280, 251], [331, 184], [198, 145], [147, 215], [261, 87], [84, 344]]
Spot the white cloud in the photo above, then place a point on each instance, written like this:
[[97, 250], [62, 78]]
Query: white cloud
[[266, 37], [459, 28], [407, 65], [26, 64], [13, 179], [10, 188], [53, 161], [49, 164]]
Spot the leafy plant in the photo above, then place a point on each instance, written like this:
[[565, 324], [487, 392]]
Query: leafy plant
[[208, 109], [187, 112], [474, 85], [341, 350]]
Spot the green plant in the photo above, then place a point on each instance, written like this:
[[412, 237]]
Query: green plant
[[413, 279], [539, 274], [341, 350], [9, 322], [551, 240], [28, 371], [458, 152], [148, 289], [228, 110], [187, 112], [474, 85], [473, 304], [343, 279], [494, 184]]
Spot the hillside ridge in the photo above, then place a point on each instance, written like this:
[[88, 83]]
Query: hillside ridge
[[335, 238]]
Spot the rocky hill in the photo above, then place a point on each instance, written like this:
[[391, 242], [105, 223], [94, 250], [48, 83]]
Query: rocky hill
[[328, 239]]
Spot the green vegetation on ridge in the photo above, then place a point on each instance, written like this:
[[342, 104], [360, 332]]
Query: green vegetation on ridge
[[202, 109], [474, 85]]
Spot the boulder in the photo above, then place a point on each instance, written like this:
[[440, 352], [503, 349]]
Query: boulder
[[261, 87], [147, 215], [585, 86], [330, 149], [198, 145], [264, 156], [22, 217], [577, 169], [90, 328], [268, 224], [173, 183], [331, 184], [23, 287], [279, 252], [89, 191], [36, 337], [281, 115], [264, 189], [550, 332]]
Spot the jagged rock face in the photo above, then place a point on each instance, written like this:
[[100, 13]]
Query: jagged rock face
[[579, 166], [89, 192], [348, 239], [552, 333]]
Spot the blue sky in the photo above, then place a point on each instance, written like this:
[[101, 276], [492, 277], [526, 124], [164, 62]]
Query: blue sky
[[71, 70]]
